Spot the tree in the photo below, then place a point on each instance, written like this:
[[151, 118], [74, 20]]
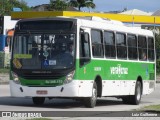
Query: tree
[[58, 5], [6, 6], [82, 3], [157, 45]]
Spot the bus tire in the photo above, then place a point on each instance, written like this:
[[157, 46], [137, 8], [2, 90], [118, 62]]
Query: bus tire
[[135, 99], [90, 102], [38, 100]]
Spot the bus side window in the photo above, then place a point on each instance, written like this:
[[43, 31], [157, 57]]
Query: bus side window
[[121, 46], [109, 41], [151, 49], [142, 48], [97, 43], [84, 49], [132, 47]]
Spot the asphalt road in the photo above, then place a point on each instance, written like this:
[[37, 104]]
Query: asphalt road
[[116, 109], [8, 103]]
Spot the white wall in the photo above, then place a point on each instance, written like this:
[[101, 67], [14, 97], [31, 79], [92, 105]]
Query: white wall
[[8, 24]]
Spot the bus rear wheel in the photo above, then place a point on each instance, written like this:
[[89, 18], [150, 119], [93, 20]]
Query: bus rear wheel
[[136, 98], [90, 102], [38, 100]]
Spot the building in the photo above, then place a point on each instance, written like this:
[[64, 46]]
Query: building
[[43, 7], [157, 13], [136, 12]]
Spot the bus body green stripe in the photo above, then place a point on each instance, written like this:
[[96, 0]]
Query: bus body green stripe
[[116, 70], [106, 69]]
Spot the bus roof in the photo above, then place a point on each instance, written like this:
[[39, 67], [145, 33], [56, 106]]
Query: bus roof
[[99, 23], [112, 25]]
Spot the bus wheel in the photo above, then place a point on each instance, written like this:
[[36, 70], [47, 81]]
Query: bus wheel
[[135, 99], [91, 101], [38, 100]]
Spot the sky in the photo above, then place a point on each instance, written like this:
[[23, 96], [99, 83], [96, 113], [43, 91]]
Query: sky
[[113, 5]]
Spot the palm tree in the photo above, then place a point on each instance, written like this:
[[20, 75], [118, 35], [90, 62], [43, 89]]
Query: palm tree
[[58, 5], [82, 3]]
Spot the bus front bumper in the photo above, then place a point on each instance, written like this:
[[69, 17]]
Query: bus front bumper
[[73, 89]]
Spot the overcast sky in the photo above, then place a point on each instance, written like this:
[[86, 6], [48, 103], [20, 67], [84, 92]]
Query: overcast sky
[[114, 5]]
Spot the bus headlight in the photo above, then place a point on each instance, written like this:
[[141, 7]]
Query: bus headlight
[[15, 78], [69, 77]]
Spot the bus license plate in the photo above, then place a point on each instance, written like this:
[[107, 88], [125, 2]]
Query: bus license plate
[[42, 92]]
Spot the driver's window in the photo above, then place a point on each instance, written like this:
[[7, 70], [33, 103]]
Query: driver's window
[[84, 49]]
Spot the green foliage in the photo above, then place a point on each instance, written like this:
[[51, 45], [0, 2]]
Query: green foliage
[[157, 45], [151, 108], [6, 6], [61, 5], [58, 5], [2, 60], [5, 70], [82, 3], [158, 66]]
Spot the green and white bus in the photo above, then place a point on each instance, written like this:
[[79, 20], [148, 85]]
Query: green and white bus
[[81, 58]]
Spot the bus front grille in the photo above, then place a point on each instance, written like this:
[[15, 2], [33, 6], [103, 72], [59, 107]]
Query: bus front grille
[[41, 77]]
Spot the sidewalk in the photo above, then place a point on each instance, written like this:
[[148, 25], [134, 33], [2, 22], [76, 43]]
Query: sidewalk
[[4, 79], [158, 78]]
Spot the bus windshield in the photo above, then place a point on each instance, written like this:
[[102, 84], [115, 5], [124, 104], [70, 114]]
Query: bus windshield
[[43, 51]]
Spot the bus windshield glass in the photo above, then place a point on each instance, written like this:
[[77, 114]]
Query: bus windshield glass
[[43, 51]]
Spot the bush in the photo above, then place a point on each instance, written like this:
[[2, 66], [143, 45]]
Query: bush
[[158, 66], [5, 70], [2, 55]]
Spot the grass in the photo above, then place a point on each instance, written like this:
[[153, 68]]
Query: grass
[[4, 70], [151, 108]]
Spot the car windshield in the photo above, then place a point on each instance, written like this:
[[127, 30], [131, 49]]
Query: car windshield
[[43, 51]]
